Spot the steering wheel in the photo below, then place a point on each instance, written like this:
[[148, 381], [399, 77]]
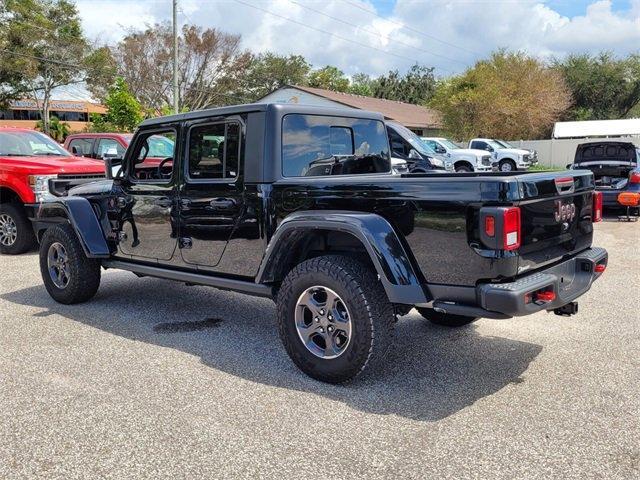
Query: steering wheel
[[159, 168]]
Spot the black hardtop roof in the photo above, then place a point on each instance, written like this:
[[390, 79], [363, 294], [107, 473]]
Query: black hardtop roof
[[281, 108]]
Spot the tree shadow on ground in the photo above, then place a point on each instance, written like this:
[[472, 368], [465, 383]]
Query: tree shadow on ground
[[433, 372]]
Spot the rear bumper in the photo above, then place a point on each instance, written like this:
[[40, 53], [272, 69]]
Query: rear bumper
[[610, 197], [568, 280]]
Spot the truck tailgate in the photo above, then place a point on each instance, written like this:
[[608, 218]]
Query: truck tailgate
[[556, 210]]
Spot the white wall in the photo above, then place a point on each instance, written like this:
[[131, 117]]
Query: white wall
[[560, 152]]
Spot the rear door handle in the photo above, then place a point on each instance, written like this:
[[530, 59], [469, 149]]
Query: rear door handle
[[164, 202]]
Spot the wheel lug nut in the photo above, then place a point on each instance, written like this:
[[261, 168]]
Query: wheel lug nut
[[321, 330], [317, 319], [322, 312], [330, 329]]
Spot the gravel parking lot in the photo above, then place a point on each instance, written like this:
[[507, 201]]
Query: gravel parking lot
[[154, 379]]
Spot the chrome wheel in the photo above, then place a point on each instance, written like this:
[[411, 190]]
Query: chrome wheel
[[8, 230], [323, 322], [506, 167], [58, 265]]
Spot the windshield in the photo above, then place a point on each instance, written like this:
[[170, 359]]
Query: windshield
[[29, 144], [505, 144], [496, 145], [414, 140], [449, 144]]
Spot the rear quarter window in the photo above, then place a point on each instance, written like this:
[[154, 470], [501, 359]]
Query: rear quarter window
[[317, 145]]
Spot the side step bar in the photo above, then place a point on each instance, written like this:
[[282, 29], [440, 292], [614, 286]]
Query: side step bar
[[250, 288]]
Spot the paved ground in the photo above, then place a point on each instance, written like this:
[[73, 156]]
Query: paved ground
[[154, 379]]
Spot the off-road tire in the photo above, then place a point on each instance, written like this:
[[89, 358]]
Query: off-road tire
[[501, 165], [445, 319], [85, 272], [25, 239], [370, 311]]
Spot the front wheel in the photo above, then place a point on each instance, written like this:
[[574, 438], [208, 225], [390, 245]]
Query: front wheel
[[445, 319], [16, 232], [334, 318], [68, 274], [464, 169], [507, 166]]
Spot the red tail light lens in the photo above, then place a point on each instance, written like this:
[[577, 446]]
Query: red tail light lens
[[597, 207], [490, 226], [548, 296], [599, 268], [511, 228], [634, 177]]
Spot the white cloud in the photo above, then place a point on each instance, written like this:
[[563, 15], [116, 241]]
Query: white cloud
[[464, 31]]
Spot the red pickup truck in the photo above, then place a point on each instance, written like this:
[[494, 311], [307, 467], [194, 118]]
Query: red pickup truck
[[34, 169]]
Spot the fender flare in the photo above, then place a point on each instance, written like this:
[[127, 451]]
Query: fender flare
[[376, 234], [80, 214]]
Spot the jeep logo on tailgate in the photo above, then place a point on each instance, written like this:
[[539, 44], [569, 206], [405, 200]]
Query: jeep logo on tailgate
[[564, 211]]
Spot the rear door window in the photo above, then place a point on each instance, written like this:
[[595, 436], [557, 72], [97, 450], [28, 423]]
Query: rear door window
[[314, 145]]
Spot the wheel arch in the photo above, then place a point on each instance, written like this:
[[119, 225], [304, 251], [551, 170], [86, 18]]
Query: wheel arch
[[303, 234], [78, 212], [465, 163], [8, 195]]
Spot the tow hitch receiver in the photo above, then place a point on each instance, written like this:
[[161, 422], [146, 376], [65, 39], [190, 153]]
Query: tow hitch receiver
[[567, 310]]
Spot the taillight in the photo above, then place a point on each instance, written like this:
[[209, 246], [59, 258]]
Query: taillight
[[600, 267], [597, 207], [634, 177], [511, 228], [500, 228]]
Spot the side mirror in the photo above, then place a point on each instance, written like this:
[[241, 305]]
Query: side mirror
[[112, 166], [489, 148], [440, 149], [413, 154], [74, 150], [569, 165]]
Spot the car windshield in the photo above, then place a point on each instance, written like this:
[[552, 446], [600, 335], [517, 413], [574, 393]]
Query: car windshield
[[414, 140], [29, 144], [496, 145], [449, 144], [505, 144]]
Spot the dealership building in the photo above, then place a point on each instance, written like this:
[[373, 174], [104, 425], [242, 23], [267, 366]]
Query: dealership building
[[421, 120], [26, 113]]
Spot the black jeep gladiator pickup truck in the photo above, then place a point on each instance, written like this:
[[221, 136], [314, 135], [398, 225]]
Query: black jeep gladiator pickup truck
[[299, 204]]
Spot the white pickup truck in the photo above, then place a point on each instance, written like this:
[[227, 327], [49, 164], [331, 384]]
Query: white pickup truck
[[506, 156], [462, 159]]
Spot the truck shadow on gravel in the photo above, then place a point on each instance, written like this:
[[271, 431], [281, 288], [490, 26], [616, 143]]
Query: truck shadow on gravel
[[433, 372]]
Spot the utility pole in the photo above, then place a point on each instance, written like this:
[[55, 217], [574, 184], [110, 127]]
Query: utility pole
[[176, 103]]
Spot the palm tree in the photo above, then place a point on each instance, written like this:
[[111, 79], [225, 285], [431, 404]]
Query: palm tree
[[57, 130]]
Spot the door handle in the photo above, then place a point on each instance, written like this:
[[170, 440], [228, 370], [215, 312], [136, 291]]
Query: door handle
[[222, 203], [164, 202]]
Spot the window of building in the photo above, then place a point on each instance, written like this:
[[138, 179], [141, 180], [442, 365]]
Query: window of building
[[315, 145], [214, 151]]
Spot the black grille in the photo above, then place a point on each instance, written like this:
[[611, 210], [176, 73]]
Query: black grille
[[61, 185]]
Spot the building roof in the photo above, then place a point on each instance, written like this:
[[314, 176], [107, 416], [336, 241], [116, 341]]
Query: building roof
[[407, 114], [597, 128]]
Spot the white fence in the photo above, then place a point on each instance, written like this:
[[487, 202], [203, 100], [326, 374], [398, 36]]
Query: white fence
[[560, 152]]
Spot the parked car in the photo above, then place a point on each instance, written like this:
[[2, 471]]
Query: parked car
[[406, 146], [33, 168], [533, 153], [615, 166], [301, 207], [508, 159], [463, 159], [114, 145]]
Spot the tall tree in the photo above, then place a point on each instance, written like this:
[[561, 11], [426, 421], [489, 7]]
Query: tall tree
[[510, 95], [329, 78], [210, 63], [416, 86], [603, 86], [362, 84], [268, 71], [45, 48], [124, 112]]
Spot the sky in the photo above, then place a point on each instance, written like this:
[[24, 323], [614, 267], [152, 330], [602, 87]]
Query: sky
[[375, 36]]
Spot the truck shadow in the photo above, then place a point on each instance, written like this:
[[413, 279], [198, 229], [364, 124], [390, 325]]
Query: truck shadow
[[434, 372]]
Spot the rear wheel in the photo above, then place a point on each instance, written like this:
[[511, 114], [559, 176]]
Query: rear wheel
[[507, 166], [334, 318], [16, 232], [445, 319], [68, 275]]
